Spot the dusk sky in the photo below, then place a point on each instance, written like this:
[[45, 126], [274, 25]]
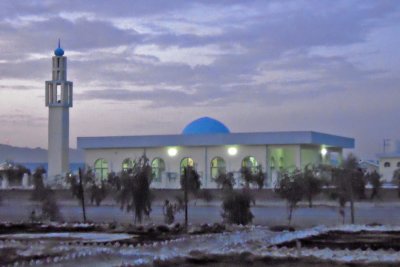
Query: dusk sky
[[151, 67]]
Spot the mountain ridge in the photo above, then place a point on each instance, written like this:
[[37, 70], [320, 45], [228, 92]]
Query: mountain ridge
[[34, 155]]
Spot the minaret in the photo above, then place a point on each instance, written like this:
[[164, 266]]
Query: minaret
[[59, 100]]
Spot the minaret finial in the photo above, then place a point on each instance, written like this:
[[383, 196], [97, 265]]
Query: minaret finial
[[59, 51]]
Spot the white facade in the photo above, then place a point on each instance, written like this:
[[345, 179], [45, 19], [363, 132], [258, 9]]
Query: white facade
[[389, 160], [58, 99], [231, 151], [294, 156], [388, 164]]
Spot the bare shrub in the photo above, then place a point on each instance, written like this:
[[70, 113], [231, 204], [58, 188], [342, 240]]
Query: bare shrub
[[47, 197], [190, 183], [134, 194], [98, 192], [50, 209], [256, 178], [225, 181], [312, 184], [236, 207], [290, 187], [38, 185], [375, 179]]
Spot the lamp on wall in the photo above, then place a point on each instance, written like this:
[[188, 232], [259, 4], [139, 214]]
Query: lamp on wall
[[232, 151], [324, 151], [172, 151]]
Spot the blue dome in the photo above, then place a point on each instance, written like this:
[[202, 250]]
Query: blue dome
[[59, 52], [205, 125]]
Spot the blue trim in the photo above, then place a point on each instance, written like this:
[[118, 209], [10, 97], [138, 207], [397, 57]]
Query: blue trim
[[266, 138], [332, 140]]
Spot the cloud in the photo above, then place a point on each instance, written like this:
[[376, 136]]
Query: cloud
[[228, 57]]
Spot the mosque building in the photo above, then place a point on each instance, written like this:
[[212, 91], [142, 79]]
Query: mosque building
[[206, 144], [209, 146]]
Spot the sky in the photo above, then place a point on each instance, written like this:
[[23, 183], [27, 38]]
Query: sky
[[150, 67]]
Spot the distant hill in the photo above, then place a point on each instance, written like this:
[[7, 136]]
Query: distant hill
[[26, 154]]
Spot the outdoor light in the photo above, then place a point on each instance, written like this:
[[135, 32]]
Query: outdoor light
[[324, 151], [172, 151], [232, 151]]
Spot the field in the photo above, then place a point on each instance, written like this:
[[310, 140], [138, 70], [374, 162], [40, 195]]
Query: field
[[112, 240]]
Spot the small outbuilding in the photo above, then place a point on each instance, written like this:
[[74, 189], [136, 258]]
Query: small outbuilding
[[389, 160]]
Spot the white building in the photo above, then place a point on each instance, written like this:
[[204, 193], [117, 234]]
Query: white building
[[59, 100], [389, 160], [211, 148]]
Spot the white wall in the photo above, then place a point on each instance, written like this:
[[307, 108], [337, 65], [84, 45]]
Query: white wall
[[58, 136], [202, 160], [294, 157], [387, 172]]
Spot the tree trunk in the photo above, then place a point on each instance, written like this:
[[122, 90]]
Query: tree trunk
[[352, 210], [351, 203], [343, 216], [82, 193], [398, 189], [290, 214], [186, 199]]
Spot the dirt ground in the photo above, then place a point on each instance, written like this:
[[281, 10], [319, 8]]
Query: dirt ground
[[16, 206]]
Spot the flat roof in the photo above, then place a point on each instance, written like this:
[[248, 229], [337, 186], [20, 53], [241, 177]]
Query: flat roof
[[255, 138], [388, 155]]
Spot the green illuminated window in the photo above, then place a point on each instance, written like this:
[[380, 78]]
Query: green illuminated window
[[186, 162], [250, 163], [128, 164], [101, 168], [157, 168], [217, 167]]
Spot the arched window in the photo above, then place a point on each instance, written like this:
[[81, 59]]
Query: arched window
[[250, 163], [127, 164], [386, 164], [186, 162], [217, 167], [101, 168], [398, 164], [157, 168]]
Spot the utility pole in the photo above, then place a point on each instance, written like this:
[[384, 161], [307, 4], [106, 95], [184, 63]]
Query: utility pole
[[386, 143]]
